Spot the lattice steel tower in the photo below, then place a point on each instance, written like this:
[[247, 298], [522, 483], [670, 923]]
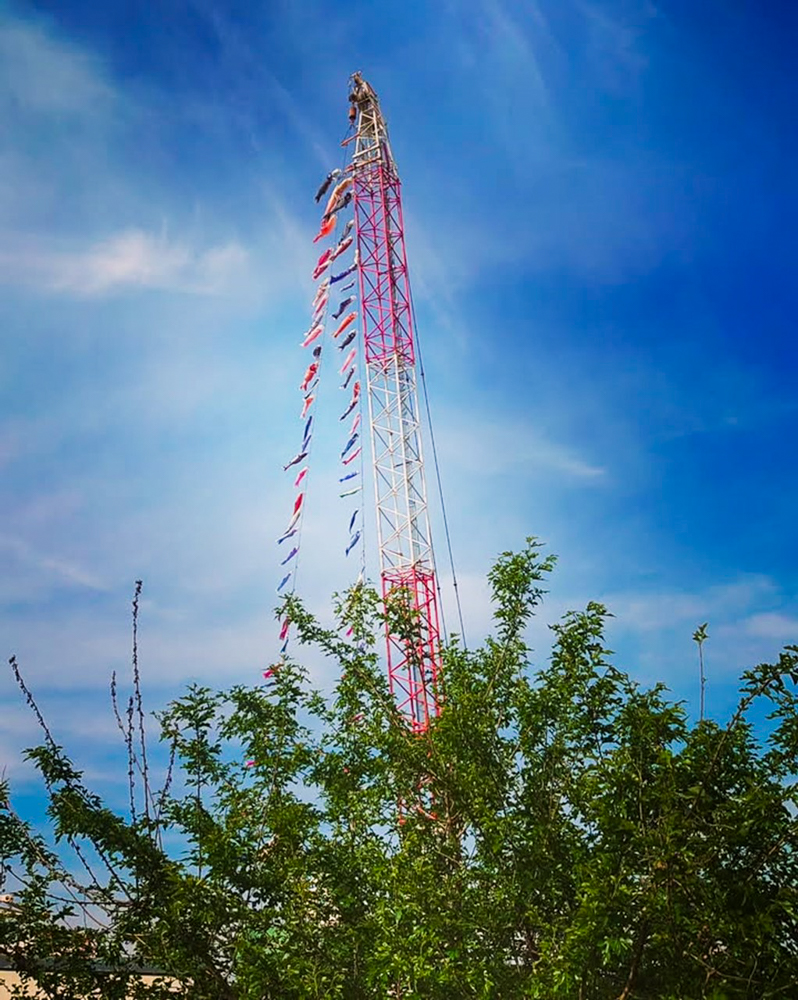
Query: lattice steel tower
[[407, 566]]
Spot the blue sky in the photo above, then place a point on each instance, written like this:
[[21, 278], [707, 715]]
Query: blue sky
[[598, 199]]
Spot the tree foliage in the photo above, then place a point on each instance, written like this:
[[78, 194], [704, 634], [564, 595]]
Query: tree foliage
[[557, 833]]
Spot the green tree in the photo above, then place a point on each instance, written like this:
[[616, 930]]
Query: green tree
[[557, 833]]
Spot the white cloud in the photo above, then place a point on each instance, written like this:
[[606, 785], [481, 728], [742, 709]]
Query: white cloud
[[517, 49], [678, 609], [51, 567], [511, 446], [9, 444], [773, 625], [128, 259], [248, 72], [82, 222], [614, 40], [58, 112], [43, 74], [654, 632]]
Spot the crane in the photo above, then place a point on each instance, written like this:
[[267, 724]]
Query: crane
[[404, 539], [388, 360]]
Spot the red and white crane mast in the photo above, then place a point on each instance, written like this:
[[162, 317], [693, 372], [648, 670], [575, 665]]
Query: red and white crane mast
[[407, 566]]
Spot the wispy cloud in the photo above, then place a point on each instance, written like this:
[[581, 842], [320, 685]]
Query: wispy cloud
[[613, 40], [51, 566], [128, 259], [9, 444], [656, 628], [511, 445], [773, 625], [54, 97], [654, 632], [46, 75], [249, 74], [146, 431], [684, 608], [516, 47], [88, 221]]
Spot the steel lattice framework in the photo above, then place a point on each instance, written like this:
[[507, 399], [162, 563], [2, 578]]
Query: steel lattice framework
[[407, 565]]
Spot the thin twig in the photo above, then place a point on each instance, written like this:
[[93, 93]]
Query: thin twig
[[139, 708], [95, 882], [69, 882], [126, 737], [131, 772], [165, 791], [69, 781], [73, 899], [115, 704], [31, 702]]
